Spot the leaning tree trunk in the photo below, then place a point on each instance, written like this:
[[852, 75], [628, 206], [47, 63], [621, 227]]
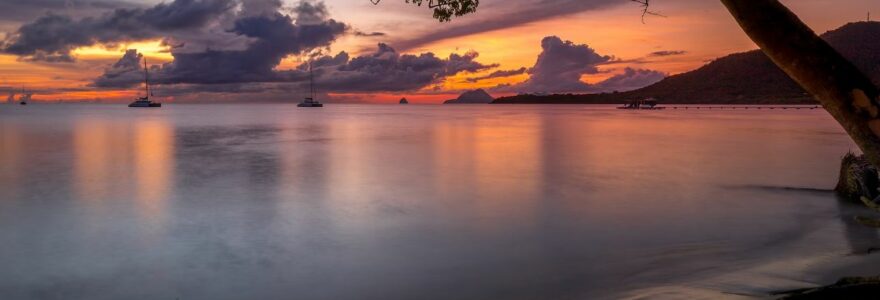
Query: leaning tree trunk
[[844, 91]]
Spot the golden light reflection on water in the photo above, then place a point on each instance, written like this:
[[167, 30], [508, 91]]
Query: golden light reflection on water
[[508, 166], [154, 163], [10, 147], [93, 157], [118, 159], [349, 175], [498, 160]]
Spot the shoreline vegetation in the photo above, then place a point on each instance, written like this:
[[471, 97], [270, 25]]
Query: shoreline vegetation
[[741, 78]]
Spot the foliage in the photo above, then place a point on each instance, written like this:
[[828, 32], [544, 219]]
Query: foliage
[[444, 10]]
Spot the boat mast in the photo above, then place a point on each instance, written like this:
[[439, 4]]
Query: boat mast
[[311, 81], [146, 78]]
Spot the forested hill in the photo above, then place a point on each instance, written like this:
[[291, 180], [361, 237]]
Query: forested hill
[[741, 78]]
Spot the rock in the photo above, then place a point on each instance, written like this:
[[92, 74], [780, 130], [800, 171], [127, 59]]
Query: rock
[[478, 96], [858, 178], [404, 101]]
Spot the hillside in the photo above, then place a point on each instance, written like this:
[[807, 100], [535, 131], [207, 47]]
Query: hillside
[[741, 78], [478, 96]]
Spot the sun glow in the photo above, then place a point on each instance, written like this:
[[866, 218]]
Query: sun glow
[[151, 49]]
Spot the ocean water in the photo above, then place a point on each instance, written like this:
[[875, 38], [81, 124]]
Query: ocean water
[[410, 202]]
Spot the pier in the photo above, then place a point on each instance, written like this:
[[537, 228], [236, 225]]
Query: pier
[[755, 107]]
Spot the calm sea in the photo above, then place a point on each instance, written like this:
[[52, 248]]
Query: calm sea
[[408, 202]]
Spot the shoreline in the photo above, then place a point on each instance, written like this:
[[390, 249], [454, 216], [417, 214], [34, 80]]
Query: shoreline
[[792, 271]]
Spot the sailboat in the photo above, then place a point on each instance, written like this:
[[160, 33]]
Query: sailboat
[[145, 100], [23, 99], [310, 100]]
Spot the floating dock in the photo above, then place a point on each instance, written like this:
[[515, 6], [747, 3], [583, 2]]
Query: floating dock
[[758, 107]]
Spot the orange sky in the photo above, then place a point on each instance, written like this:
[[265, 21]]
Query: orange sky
[[701, 28]]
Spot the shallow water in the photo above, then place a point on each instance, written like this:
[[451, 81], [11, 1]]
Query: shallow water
[[407, 202]]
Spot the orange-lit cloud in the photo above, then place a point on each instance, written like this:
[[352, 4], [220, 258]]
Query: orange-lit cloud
[[702, 29]]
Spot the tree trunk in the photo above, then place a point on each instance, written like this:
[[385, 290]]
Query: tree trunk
[[844, 91]]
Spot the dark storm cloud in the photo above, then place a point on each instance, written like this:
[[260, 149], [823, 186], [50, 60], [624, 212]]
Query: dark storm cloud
[[124, 73], [27, 10], [270, 35], [259, 7], [383, 70], [388, 70], [326, 61], [667, 53], [560, 66], [274, 37], [562, 63], [224, 47], [52, 36], [499, 74], [501, 14]]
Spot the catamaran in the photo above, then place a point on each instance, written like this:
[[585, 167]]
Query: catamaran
[[145, 100], [24, 98], [310, 100]]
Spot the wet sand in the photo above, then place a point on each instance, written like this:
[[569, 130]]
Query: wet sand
[[781, 270]]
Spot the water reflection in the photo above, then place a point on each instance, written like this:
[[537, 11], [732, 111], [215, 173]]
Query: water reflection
[[860, 238], [379, 202], [154, 166], [507, 169], [98, 148], [10, 161]]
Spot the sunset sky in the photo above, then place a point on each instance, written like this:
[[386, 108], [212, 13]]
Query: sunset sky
[[252, 50]]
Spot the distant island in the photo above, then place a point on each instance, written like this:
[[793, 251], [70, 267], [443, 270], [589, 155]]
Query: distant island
[[478, 96], [742, 78]]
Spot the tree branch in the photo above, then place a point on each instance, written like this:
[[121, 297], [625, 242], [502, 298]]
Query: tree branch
[[845, 92], [645, 5]]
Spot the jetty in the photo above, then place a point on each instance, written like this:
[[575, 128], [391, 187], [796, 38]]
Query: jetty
[[752, 107]]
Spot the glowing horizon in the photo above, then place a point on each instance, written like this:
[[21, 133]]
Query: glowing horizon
[[696, 31]]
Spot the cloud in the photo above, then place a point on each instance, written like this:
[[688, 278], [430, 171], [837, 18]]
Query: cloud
[[502, 14], [369, 34], [27, 10], [561, 65], [270, 35], [126, 72], [383, 70], [388, 70], [667, 53], [630, 79], [273, 38], [52, 37], [253, 8], [498, 74]]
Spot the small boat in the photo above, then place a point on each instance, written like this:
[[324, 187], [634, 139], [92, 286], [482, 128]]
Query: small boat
[[310, 101], [404, 101], [24, 98], [145, 100], [647, 104]]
